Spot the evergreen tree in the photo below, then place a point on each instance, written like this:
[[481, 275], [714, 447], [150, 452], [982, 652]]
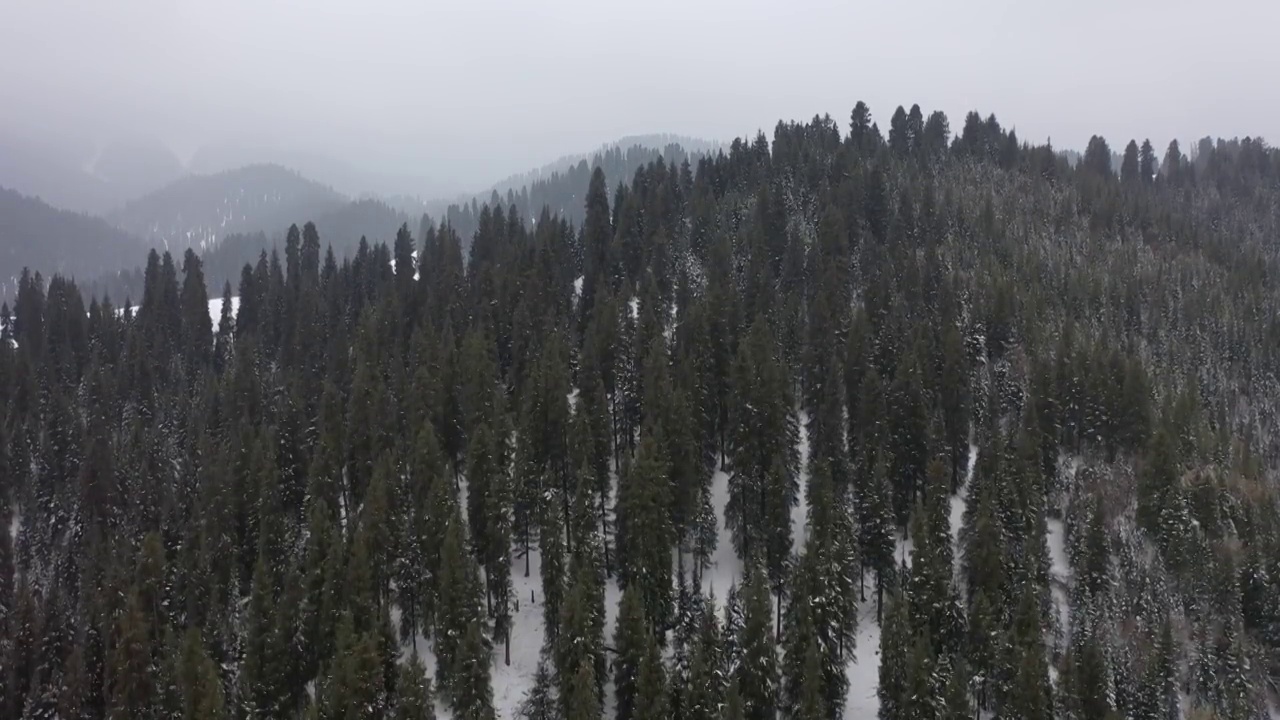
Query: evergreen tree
[[1130, 169], [198, 681], [644, 533], [651, 701], [631, 640], [1147, 163], [756, 674], [763, 486], [413, 693]]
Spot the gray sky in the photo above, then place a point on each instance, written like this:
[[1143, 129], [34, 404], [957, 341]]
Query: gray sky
[[469, 91]]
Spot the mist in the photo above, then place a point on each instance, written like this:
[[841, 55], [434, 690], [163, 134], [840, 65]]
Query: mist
[[442, 97]]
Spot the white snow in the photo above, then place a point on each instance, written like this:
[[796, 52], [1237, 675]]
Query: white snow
[[725, 569], [800, 513], [1060, 567], [959, 503], [215, 310], [577, 287], [417, 271], [512, 682], [635, 307], [864, 672], [1059, 574]]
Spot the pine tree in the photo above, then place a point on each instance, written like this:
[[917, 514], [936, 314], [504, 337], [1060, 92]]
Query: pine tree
[[631, 639], [763, 486], [442, 508], [354, 684], [756, 674], [580, 641], [1130, 170], [1029, 692], [703, 694], [458, 638], [541, 703], [471, 690], [651, 702], [130, 676], [1147, 163], [644, 533], [199, 684], [582, 701], [413, 693]]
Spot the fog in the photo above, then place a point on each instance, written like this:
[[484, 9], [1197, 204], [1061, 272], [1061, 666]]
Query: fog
[[445, 95]]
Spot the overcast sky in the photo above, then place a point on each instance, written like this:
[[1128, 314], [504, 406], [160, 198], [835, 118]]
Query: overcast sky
[[471, 90]]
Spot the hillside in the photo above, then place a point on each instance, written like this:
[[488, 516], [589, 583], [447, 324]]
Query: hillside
[[559, 186], [198, 210], [832, 425], [46, 239]]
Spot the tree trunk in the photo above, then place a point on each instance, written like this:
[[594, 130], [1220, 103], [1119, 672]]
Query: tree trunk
[[507, 637], [777, 635]]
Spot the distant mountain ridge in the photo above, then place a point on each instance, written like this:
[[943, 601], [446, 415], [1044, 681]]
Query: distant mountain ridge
[[254, 204], [199, 210], [36, 235]]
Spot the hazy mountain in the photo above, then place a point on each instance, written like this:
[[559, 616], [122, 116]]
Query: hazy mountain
[[55, 173], [341, 176], [198, 210], [133, 168], [36, 235], [83, 176]]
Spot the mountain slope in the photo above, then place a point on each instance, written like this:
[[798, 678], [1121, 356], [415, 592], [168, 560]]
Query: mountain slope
[[198, 210], [35, 235]]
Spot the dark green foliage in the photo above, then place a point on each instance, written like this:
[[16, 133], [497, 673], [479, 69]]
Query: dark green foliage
[[756, 673], [210, 520], [763, 486], [631, 641], [413, 693], [645, 535]]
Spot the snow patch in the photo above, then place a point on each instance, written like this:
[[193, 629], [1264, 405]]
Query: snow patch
[[863, 700], [800, 513], [528, 632], [215, 310], [1059, 574]]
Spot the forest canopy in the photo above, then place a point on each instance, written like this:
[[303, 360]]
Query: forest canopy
[[920, 424]]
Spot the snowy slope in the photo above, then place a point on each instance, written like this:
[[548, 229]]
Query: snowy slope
[[512, 682]]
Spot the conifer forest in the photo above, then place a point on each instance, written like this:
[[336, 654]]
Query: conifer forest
[[918, 423]]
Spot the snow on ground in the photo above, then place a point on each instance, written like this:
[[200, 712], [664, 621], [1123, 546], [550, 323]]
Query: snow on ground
[[577, 287], [800, 513], [864, 672], [635, 307], [512, 682], [15, 525], [215, 310], [1060, 567], [725, 568], [1059, 575], [959, 503], [416, 270]]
